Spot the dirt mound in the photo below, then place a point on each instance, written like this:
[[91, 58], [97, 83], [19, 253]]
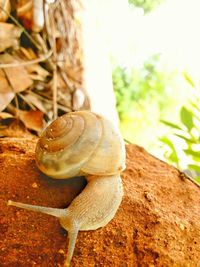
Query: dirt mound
[[158, 223]]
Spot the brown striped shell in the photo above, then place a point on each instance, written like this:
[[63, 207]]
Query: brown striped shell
[[80, 143]]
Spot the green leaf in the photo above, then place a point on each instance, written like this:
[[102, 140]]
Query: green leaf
[[186, 118], [194, 167], [167, 141], [188, 78], [195, 110], [197, 179], [174, 157], [194, 105], [192, 153], [188, 140], [170, 124]]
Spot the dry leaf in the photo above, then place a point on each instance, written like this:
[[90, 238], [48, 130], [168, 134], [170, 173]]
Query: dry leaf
[[31, 14], [32, 119], [34, 99], [5, 115], [9, 36], [28, 53], [61, 35], [36, 72], [5, 99], [25, 13], [18, 77], [5, 5], [23, 7], [12, 127], [4, 84]]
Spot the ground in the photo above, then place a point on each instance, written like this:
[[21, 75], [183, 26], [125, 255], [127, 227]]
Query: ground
[[157, 224]]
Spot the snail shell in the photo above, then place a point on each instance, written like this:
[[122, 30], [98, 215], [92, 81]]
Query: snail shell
[[80, 143], [83, 143]]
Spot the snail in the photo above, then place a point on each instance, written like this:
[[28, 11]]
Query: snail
[[82, 143]]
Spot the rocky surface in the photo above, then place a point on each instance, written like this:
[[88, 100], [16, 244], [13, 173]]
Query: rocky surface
[[157, 224]]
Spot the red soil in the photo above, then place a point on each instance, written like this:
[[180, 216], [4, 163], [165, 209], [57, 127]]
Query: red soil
[[157, 224]]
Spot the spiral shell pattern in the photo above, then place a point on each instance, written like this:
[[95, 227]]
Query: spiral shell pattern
[[80, 143]]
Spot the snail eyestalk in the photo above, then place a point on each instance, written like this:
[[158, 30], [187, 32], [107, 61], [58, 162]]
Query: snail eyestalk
[[79, 143], [71, 246], [59, 213]]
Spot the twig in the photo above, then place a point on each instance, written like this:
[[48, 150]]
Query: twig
[[66, 80], [48, 100], [21, 27], [26, 63], [26, 101], [127, 141], [55, 76]]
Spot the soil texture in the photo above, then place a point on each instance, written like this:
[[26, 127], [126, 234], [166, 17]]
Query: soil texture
[[157, 224]]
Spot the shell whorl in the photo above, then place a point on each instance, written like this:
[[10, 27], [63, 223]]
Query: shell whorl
[[80, 143]]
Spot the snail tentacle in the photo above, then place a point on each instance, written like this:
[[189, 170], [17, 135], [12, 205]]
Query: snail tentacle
[[59, 213], [71, 227], [83, 143], [71, 245]]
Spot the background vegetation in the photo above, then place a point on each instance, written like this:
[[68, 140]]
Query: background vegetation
[[154, 110], [146, 5]]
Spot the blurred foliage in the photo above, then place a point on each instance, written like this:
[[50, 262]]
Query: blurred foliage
[[138, 85], [147, 5], [144, 95], [184, 142], [148, 100]]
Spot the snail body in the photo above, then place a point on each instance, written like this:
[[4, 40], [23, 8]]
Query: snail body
[[82, 143]]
